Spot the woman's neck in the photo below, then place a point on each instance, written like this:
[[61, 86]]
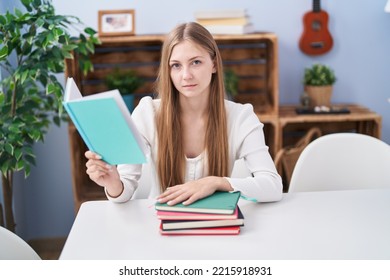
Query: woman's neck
[[193, 108], [194, 119]]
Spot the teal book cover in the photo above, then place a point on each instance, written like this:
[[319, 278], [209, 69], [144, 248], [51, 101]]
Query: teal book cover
[[104, 126], [218, 202]]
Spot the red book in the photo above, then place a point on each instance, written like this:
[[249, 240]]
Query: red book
[[203, 231]]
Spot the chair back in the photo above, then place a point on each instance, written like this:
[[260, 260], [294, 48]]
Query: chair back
[[12, 247], [1, 216], [342, 161]]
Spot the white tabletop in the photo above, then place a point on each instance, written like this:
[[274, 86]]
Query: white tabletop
[[312, 225]]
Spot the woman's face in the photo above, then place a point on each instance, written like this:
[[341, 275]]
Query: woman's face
[[191, 68]]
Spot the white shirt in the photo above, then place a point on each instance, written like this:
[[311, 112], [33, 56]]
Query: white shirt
[[246, 141]]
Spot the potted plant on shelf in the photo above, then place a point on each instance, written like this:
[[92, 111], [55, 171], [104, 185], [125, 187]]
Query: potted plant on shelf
[[34, 45], [127, 82], [231, 83], [318, 81]]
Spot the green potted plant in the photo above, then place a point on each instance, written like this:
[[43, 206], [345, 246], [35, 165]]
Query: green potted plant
[[231, 83], [34, 45], [318, 81], [127, 82]]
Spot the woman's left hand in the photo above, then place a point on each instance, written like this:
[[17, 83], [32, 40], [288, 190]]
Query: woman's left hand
[[194, 190]]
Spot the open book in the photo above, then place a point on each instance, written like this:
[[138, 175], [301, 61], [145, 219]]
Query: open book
[[104, 123]]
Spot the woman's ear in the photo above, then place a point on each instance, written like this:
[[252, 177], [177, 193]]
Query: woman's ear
[[214, 67]]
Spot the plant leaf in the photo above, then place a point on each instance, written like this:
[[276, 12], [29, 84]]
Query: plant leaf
[[9, 148], [3, 52]]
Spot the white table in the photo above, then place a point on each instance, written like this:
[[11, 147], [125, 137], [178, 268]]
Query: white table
[[312, 225]]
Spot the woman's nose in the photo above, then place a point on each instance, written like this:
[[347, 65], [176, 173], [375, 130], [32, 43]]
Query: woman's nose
[[187, 73]]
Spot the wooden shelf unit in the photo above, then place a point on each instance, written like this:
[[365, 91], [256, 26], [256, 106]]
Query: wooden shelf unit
[[293, 125]]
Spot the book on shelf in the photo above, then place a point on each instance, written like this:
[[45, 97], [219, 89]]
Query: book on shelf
[[224, 21], [192, 224], [217, 203], [220, 13], [168, 215], [233, 230], [105, 125], [230, 29]]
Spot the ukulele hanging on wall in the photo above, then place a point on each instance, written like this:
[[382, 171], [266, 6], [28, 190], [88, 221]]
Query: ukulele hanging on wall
[[316, 38]]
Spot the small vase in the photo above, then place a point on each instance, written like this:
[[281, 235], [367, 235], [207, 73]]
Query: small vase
[[129, 101], [319, 95]]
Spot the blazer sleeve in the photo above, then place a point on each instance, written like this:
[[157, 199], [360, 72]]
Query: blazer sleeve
[[247, 142]]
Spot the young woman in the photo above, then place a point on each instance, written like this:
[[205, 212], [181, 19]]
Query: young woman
[[193, 134]]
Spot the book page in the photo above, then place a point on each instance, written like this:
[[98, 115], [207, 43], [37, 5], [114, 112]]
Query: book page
[[71, 91]]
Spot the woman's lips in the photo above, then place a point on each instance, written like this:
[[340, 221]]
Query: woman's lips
[[189, 86]]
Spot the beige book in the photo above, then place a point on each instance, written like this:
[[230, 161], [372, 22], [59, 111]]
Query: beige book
[[224, 21]]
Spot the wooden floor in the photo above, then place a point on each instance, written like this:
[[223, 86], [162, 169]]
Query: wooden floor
[[49, 248]]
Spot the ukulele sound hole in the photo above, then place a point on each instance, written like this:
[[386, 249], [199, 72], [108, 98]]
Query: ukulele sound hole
[[317, 45], [316, 25]]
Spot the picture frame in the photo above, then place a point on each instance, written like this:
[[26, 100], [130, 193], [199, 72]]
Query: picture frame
[[116, 22]]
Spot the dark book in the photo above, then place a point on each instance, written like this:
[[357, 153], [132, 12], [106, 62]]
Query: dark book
[[170, 215]]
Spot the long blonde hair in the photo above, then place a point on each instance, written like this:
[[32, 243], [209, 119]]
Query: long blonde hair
[[170, 155]]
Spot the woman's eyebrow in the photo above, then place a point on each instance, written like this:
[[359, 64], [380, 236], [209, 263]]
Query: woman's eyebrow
[[192, 58]]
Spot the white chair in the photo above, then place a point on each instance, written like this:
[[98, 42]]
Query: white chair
[[12, 247], [342, 161]]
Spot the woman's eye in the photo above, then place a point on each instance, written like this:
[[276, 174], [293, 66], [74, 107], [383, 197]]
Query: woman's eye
[[175, 65], [196, 62]]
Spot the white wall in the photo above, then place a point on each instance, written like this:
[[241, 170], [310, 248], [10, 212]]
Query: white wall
[[360, 58]]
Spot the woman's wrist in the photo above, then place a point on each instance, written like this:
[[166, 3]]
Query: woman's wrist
[[224, 185], [115, 191]]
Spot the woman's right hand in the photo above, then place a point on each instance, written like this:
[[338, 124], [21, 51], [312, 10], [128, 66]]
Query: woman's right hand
[[103, 174]]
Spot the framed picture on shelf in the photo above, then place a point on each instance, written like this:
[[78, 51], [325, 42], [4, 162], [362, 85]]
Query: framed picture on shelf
[[116, 23]]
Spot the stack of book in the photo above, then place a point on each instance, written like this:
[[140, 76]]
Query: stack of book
[[215, 214], [225, 21]]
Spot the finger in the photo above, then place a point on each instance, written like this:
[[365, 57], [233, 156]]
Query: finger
[[166, 197], [97, 175], [192, 199], [197, 195], [99, 167], [170, 195], [178, 199], [92, 155], [95, 170], [167, 192], [90, 163]]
